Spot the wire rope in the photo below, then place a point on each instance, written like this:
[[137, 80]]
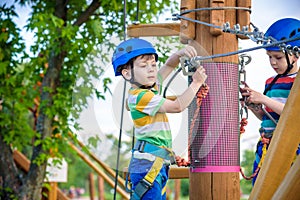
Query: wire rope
[[122, 112], [246, 50]]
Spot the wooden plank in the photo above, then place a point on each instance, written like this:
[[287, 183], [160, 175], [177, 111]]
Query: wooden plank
[[151, 30], [217, 17], [174, 172], [187, 28], [290, 186], [243, 16], [21, 160], [281, 152], [108, 180], [102, 164], [179, 172]]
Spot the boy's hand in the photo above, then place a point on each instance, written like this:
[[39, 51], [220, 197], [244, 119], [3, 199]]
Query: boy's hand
[[199, 76], [188, 51]]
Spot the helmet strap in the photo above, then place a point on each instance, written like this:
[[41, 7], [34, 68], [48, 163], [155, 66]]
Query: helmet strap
[[132, 81], [288, 69], [289, 65]]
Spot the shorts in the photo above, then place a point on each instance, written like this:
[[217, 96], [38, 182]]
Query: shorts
[[138, 169]]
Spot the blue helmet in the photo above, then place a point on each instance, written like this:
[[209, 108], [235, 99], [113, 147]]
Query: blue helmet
[[284, 29], [129, 49]]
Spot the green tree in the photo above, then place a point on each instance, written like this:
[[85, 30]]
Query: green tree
[[42, 93], [247, 165]]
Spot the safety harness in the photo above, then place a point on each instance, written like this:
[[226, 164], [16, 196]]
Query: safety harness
[[162, 155]]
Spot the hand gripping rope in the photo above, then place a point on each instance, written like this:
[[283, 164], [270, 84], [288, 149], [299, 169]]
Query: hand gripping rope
[[244, 121], [188, 67], [192, 65]]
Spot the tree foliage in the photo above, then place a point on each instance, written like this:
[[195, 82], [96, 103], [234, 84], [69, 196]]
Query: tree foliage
[[247, 166], [44, 91]]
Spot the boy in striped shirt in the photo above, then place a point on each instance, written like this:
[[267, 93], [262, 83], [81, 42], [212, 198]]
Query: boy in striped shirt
[[135, 59], [270, 104]]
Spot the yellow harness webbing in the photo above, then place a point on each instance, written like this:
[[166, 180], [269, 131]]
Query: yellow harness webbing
[[147, 182]]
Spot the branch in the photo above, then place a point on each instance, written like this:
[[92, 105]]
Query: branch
[[86, 14]]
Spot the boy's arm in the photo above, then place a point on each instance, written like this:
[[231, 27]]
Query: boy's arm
[[258, 112], [173, 61], [184, 100], [259, 98]]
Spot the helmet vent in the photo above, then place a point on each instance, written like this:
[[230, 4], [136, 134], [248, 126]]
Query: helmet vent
[[128, 49], [120, 49], [292, 33], [283, 38]]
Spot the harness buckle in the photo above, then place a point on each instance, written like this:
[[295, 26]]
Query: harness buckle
[[141, 146], [142, 187]]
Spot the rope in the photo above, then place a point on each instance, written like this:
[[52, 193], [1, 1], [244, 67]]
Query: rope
[[264, 152], [243, 123], [122, 114], [201, 94], [245, 50]]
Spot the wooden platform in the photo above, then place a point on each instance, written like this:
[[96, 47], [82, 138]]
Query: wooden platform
[[174, 173]]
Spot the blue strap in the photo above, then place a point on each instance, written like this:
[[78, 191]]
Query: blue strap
[[146, 147]]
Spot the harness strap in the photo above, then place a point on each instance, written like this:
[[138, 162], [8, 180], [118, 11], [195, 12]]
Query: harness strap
[[147, 182], [165, 153]]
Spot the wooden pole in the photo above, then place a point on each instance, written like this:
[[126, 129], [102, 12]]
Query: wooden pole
[[290, 186], [91, 186], [177, 185], [187, 28], [216, 185], [102, 164], [123, 193], [100, 188], [282, 150], [52, 194]]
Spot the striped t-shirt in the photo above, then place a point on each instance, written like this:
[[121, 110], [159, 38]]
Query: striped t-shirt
[[279, 92], [150, 125]]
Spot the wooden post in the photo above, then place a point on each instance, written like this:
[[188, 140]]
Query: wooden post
[[216, 185], [216, 16], [243, 16], [91, 186], [290, 186], [177, 185], [52, 194], [100, 188], [187, 28]]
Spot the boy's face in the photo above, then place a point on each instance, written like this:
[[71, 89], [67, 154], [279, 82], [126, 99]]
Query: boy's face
[[278, 61], [145, 70]]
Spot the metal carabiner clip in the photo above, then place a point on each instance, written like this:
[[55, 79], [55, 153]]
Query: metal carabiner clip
[[191, 65]]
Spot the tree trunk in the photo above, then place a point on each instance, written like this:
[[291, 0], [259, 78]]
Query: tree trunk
[[32, 189], [8, 174]]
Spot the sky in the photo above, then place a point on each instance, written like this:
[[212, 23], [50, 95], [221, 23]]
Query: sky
[[103, 117]]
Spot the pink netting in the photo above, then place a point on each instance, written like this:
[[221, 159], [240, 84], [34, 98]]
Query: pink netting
[[214, 140]]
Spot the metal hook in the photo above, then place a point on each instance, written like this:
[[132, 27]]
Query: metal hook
[[192, 65]]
